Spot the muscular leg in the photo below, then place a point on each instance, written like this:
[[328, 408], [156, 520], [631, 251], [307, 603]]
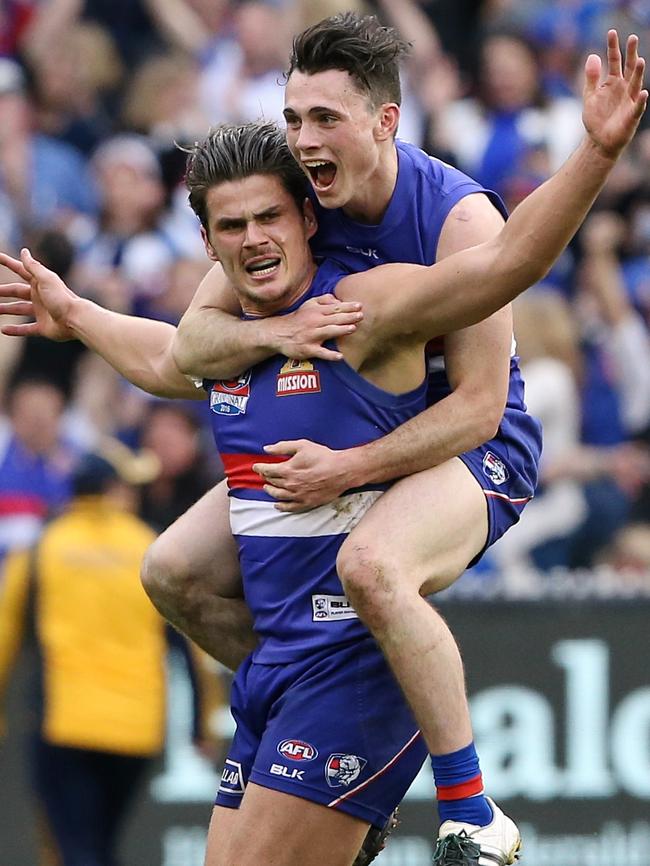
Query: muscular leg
[[416, 540], [191, 574], [278, 829]]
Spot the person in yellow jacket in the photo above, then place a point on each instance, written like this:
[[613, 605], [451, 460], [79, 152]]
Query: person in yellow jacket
[[102, 649]]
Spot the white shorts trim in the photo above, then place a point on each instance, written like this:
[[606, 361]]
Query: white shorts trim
[[261, 518]]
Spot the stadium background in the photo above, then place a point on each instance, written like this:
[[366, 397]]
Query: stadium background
[[553, 624]]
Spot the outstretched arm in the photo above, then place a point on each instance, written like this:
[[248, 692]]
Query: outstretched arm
[[446, 291], [212, 342], [471, 285], [139, 349]]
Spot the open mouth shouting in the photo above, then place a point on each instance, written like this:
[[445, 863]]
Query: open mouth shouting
[[322, 173], [262, 267]]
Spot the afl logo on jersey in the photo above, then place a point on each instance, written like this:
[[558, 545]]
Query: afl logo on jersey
[[297, 377], [230, 396], [297, 750]]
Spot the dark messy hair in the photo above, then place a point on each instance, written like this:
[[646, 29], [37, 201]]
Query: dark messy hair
[[236, 151], [357, 44]]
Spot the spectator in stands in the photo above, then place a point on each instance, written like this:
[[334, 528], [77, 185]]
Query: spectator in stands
[[130, 251], [424, 75], [616, 383], [547, 343], [35, 463], [242, 76], [510, 136], [173, 433], [45, 180], [608, 286], [586, 488], [15, 17], [132, 24], [72, 84], [180, 283], [102, 650], [59, 359], [635, 244], [629, 553], [162, 101]]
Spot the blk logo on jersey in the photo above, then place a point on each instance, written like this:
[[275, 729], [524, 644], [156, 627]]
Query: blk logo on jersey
[[230, 396], [297, 377], [297, 750], [495, 468], [341, 770], [295, 773], [368, 252]]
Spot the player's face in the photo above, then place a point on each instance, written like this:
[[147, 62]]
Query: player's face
[[337, 136], [260, 236]]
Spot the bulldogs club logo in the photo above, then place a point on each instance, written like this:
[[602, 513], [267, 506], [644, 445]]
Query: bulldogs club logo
[[297, 377], [297, 750], [495, 468], [342, 770], [230, 396]]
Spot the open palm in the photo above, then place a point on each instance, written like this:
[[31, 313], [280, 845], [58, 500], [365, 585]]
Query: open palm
[[44, 297], [612, 108]]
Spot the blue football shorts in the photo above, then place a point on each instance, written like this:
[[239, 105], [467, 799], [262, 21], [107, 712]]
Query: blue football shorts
[[332, 728], [506, 469]]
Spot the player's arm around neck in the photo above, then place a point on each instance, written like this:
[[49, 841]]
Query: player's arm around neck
[[213, 342]]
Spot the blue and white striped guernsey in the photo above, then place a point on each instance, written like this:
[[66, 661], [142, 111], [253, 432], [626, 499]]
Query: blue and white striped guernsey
[[288, 560]]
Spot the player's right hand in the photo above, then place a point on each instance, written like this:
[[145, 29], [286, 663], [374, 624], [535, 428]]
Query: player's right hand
[[44, 297], [301, 334]]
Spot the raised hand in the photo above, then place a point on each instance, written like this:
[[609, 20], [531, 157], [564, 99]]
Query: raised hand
[[613, 107], [44, 297]]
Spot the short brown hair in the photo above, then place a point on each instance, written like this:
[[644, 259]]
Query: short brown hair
[[357, 44], [236, 151]]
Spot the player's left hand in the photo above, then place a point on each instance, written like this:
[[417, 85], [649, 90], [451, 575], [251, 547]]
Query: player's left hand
[[312, 475], [612, 108]]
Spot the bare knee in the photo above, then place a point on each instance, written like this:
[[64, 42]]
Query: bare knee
[[372, 582], [165, 574]]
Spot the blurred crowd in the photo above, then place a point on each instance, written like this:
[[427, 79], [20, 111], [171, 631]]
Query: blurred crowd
[[95, 96]]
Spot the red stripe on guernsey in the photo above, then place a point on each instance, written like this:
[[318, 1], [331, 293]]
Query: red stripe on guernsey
[[239, 469], [496, 495], [464, 789], [376, 775], [21, 503]]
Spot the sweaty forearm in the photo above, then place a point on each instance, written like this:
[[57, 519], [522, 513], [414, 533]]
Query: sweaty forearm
[[213, 344], [139, 349]]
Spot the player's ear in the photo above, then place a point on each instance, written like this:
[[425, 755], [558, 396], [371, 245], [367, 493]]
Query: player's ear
[[311, 224], [208, 246], [387, 121]]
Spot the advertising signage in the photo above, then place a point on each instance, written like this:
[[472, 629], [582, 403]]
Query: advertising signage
[[560, 702]]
